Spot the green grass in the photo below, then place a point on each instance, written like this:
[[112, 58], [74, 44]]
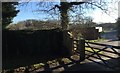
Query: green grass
[[98, 40], [89, 49]]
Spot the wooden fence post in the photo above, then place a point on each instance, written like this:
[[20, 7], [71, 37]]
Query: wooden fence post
[[81, 48], [71, 46], [68, 42]]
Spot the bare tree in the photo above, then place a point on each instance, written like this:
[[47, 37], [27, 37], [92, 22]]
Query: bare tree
[[66, 10]]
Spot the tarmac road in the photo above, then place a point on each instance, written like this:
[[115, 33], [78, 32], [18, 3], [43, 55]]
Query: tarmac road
[[111, 35], [110, 38]]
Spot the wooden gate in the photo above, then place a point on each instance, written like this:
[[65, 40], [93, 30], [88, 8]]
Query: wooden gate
[[96, 52]]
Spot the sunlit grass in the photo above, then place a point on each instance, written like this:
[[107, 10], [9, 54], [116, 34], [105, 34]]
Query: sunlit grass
[[38, 65], [89, 49], [98, 40]]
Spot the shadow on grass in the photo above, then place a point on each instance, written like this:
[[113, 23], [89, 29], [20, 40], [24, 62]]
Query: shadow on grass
[[114, 65], [13, 63]]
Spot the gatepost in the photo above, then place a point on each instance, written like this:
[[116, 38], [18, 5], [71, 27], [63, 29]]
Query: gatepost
[[81, 48]]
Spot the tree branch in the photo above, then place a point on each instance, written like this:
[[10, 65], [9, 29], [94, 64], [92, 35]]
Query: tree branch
[[76, 3], [96, 5], [56, 6]]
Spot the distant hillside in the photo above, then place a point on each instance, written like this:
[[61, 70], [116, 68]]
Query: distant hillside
[[108, 26], [34, 25]]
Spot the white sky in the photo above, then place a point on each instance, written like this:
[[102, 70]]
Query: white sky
[[101, 17]]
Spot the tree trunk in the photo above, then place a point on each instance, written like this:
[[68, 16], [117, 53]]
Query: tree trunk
[[64, 23], [64, 15]]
